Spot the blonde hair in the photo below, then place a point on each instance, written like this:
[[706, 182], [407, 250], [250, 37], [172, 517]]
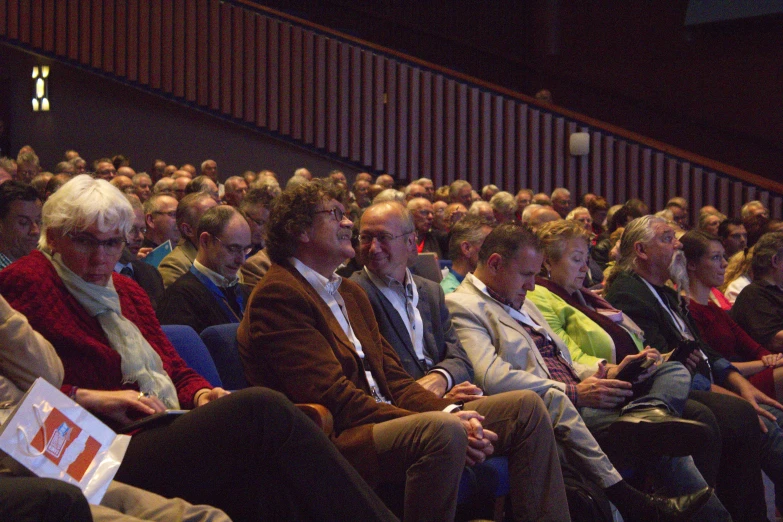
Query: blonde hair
[[739, 264], [555, 234]]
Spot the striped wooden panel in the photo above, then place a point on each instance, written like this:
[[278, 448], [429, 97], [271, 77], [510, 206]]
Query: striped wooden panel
[[559, 152], [36, 24], [132, 36], [156, 43], [450, 123], [238, 63], [249, 67], [390, 117], [261, 71], [633, 172], [297, 59], [496, 172], [402, 87], [198, 79], [425, 127], [180, 56], [332, 90], [61, 22], [474, 135], [344, 99], [213, 51], [534, 147], [484, 172], [608, 171], [368, 108], [24, 21], [226, 38], [192, 53], [284, 79], [414, 123], [621, 180], [697, 200], [511, 177], [308, 87], [320, 102], [571, 173], [438, 128], [167, 49], [84, 25], [521, 160], [355, 103], [50, 26], [596, 144], [4, 22], [378, 151], [96, 35], [273, 74], [120, 39], [546, 152]]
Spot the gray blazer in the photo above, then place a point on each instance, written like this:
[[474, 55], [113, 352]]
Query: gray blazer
[[503, 353], [440, 340]]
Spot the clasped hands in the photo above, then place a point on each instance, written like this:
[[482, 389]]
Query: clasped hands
[[480, 439], [464, 391]]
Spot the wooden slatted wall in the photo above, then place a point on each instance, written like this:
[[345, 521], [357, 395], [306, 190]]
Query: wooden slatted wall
[[376, 110]]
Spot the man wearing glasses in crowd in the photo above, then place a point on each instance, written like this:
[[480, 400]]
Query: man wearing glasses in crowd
[[209, 293]]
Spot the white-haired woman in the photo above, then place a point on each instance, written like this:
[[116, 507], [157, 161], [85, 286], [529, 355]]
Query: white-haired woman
[[250, 453]]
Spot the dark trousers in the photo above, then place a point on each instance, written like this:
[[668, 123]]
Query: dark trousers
[[32, 499], [737, 436], [254, 455]]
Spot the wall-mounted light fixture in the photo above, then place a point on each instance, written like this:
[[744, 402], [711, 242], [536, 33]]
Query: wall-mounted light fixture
[[579, 143], [41, 88]]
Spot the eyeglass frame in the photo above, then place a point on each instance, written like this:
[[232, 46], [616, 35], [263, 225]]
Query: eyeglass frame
[[334, 212], [88, 243], [380, 238], [233, 249]]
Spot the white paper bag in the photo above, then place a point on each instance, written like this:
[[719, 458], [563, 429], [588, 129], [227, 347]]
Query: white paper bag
[[54, 437]]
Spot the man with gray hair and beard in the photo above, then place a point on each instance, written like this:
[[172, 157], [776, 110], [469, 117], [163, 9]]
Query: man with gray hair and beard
[[650, 255]]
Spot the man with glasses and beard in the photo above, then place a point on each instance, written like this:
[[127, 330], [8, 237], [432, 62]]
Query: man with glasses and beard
[[650, 255]]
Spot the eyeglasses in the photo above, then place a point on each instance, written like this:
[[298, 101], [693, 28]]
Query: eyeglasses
[[88, 244], [135, 231], [383, 238], [336, 213], [235, 250]]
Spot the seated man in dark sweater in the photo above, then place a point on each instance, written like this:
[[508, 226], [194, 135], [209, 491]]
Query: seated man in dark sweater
[[209, 293]]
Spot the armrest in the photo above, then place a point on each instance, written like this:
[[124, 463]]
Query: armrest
[[321, 416]]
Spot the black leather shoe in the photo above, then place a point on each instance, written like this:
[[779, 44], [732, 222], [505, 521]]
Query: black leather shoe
[[677, 508], [653, 431]]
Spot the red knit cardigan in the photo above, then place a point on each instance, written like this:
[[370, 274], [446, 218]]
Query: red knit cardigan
[[32, 287]]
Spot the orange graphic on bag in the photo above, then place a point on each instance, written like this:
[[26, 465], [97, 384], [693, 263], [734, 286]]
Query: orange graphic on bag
[[56, 435]]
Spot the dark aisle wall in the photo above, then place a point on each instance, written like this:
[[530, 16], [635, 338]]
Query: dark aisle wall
[[101, 117], [714, 90]]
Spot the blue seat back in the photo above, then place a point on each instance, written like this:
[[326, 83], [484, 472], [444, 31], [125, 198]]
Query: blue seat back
[[221, 341], [191, 348]]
